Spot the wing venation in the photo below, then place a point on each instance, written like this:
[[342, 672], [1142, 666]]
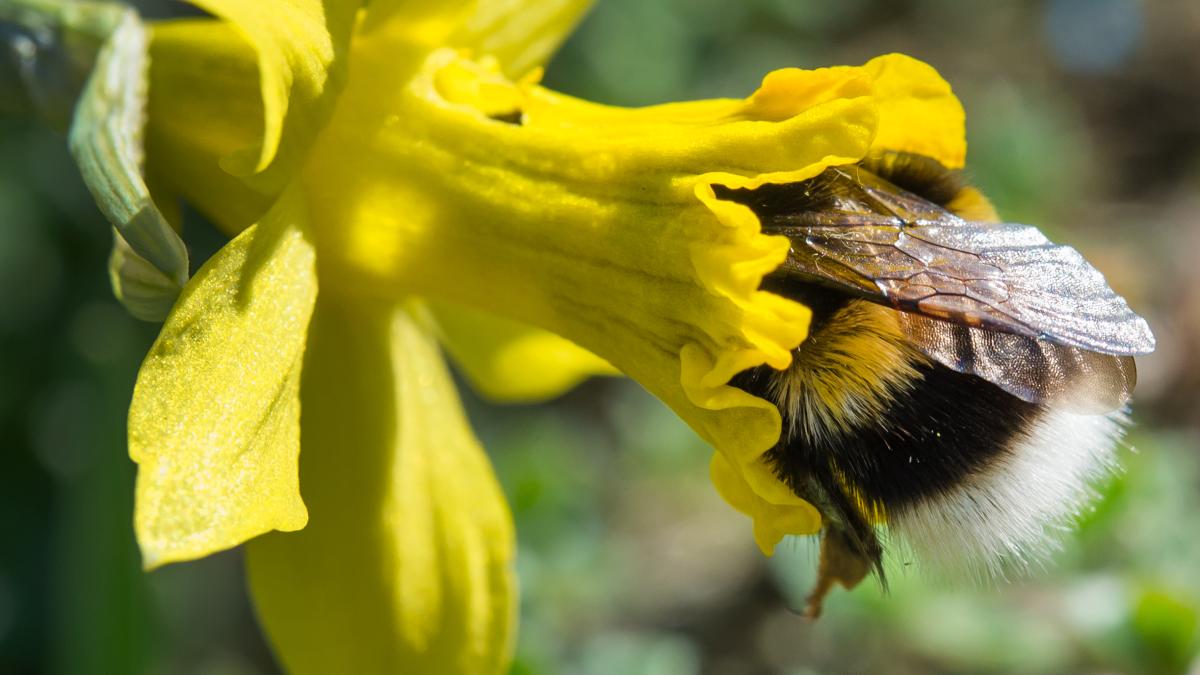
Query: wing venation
[[870, 238]]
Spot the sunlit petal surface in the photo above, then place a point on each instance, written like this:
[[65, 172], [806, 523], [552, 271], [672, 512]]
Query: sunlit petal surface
[[215, 420]]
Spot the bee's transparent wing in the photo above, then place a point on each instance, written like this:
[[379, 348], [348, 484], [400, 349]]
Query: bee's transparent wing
[[993, 276], [997, 300]]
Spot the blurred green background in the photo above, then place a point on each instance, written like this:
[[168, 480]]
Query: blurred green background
[[1083, 117]]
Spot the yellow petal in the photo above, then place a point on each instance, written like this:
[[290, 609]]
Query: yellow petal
[[301, 47], [405, 566], [786, 514], [521, 34], [918, 112], [509, 361], [204, 104], [214, 423], [420, 23]]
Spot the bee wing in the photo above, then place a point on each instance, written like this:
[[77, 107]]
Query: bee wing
[[1034, 370], [999, 277]]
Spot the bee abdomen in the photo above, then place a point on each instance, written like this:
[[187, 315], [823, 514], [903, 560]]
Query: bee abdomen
[[944, 429], [968, 476]]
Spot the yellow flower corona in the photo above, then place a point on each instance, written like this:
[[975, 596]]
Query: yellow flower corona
[[393, 176]]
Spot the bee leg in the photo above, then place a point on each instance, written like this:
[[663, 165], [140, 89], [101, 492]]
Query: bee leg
[[840, 562]]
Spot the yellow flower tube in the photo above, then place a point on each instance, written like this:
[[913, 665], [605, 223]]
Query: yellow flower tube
[[600, 223]]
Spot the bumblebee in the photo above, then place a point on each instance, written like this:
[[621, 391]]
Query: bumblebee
[[964, 381]]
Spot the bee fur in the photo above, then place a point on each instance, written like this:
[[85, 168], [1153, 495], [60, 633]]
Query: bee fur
[[969, 479]]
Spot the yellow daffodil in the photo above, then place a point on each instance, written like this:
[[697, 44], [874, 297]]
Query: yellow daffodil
[[394, 177]]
